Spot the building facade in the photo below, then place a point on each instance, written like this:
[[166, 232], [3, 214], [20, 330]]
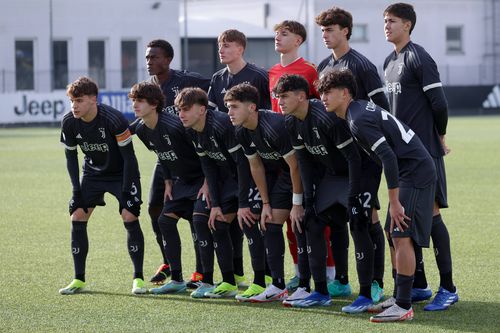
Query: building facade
[[48, 43]]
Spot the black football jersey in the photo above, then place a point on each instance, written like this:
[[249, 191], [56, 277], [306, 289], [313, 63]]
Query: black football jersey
[[178, 80], [173, 147], [367, 79], [221, 155], [372, 127], [269, 140], [222, 81], [99, 140], [408, 75], [321, 134]]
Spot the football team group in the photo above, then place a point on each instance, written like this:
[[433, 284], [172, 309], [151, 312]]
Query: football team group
[[249, 150]]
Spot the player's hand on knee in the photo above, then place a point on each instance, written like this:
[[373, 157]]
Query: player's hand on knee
[[398, 217], [215, 215], [246, 216], [296, 216], [309, 213], [77, 202], [266, 215]]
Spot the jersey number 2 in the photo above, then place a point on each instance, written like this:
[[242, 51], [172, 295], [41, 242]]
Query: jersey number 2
[[406, 136]]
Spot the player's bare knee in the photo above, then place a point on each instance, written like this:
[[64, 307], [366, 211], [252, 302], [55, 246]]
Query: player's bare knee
[[280, 216], [436, 210], [128, 216], [80, 215]]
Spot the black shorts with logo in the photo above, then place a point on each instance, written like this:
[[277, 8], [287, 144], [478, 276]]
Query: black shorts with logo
[[94, 188], [228, 189], [184, 196], [418, 204]]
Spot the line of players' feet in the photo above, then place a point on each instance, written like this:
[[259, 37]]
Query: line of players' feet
[[292, 295]]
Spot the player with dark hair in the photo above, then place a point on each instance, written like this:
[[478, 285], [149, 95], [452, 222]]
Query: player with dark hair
[[232, 44], [417, 98], [336, 27], [288, 37], [159, 55], [410, 174], [331, 173], [227, 172], [275, 171], [163, 133], [110, 166]]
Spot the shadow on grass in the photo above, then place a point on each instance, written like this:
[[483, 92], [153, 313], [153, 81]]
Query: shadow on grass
[[466, 316]]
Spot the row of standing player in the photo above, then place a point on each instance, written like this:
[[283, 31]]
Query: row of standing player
[[336, 25]]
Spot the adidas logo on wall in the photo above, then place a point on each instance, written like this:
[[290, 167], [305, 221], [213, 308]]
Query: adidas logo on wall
[[493, 100]]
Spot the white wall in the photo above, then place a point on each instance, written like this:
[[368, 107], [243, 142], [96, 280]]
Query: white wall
[[77, 21], [113, 20], [430, 31]]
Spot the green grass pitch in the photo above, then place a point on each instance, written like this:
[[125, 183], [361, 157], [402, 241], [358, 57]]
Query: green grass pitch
[[35, 258]]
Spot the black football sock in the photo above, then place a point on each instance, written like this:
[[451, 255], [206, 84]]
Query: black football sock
[[208, 277], [303, 259], [228, 276], [79, 247], [223, 248], [275, 246], [403, 295], [205, 243], [196, 246], [420, 281], [135, 244], [255, 246], [237, 241], [340, 250], [317, 258], [158, 236], [320, 287], [364, 257], [378, 240], [394, 274], [259, 278], [268, 270], [168, 227], [442, 251]]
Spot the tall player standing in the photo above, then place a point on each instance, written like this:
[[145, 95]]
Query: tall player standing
[[159, 55], [410, 174], [336, 27], [231, 45], [417, 98]]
